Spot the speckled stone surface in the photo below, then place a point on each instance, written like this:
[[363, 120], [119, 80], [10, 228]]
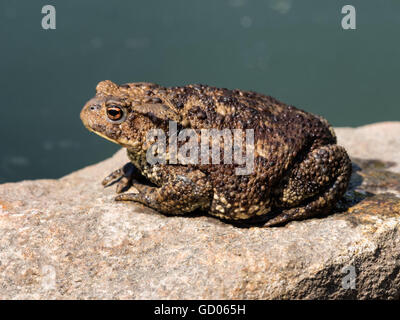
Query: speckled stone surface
[[67, 238]]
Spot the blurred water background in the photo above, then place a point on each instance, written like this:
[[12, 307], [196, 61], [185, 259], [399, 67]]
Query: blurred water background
[[293, 50]]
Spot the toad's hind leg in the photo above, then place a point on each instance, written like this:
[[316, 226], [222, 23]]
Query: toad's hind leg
[[315, 185]]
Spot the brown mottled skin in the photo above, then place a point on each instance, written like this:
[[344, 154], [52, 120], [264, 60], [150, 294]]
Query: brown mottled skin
[[299, 171]]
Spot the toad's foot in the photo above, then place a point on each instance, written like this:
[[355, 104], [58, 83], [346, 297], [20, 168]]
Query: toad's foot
[[122, 177]]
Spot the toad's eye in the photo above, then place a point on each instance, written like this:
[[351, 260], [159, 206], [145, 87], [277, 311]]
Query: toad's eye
[[115, 113]]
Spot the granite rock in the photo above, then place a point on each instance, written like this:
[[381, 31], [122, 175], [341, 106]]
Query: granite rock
[[68, 239]]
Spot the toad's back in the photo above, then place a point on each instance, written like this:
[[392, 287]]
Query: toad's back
[[281, 131]]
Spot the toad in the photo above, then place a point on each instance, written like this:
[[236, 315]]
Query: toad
[[297, 171]]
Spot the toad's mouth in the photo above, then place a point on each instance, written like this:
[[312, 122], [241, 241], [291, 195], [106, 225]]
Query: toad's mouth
[[102, 135], [124, 142]]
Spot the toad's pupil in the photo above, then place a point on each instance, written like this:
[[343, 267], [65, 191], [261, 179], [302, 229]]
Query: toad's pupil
[[114, 113]]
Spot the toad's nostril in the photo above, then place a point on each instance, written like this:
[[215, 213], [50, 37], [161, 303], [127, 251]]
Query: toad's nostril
[[94, 107]]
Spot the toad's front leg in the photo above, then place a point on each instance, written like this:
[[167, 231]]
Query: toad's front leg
[[122, 177], [181, 192]]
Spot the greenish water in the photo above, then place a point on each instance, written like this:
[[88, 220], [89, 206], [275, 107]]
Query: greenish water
[[294, 50]]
